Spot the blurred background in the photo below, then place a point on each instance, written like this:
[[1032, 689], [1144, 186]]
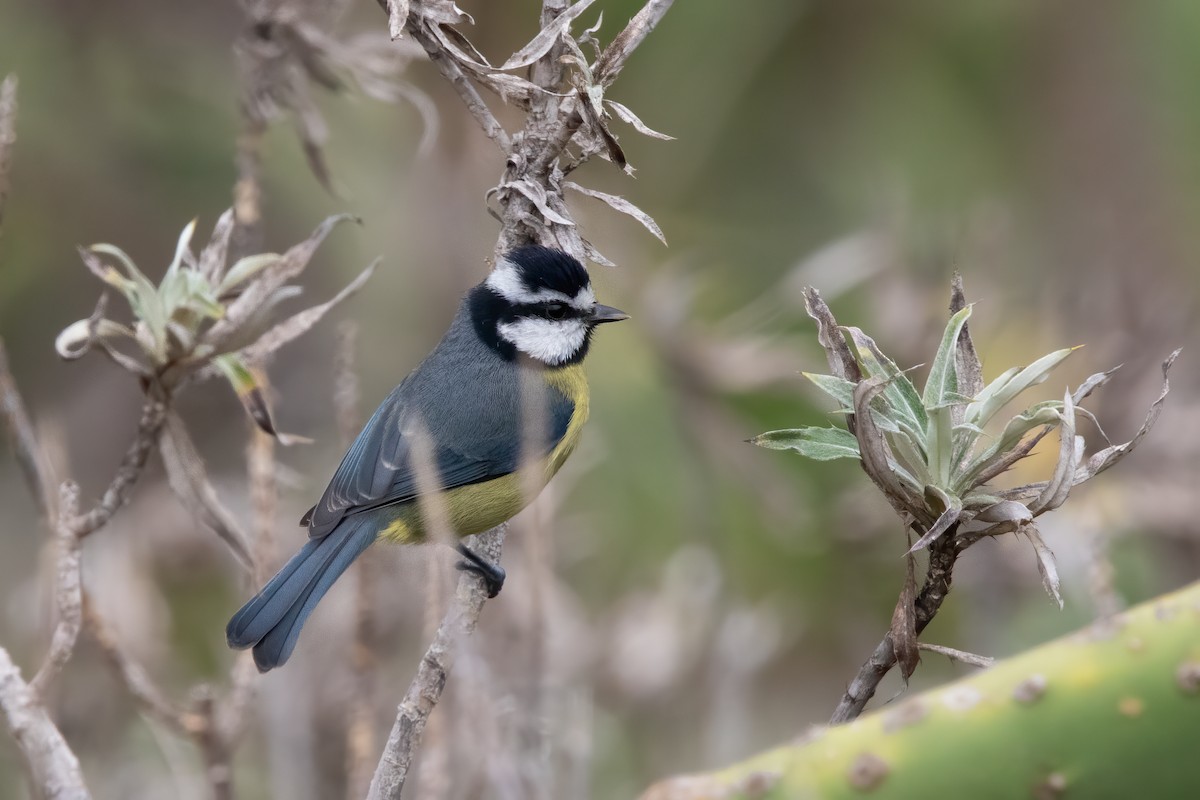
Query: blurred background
[[677, 599]]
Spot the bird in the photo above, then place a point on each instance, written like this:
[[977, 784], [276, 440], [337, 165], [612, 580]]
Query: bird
[[459, 426]]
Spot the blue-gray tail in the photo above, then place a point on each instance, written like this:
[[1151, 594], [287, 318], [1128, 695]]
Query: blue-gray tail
[[271, 621]]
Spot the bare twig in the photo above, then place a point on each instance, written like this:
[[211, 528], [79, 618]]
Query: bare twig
[[68, 591], [961, 656], [36, 467], [360, 732], [470, 96], [53, 769], [149, 697], [8, 135], [189, 480], [426, 688], [154, 413]]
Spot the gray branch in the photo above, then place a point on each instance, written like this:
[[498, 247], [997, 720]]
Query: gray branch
[[53, 768]]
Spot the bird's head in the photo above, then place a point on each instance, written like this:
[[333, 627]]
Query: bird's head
[[538, 302]]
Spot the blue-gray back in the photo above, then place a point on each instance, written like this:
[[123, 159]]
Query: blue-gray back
[[469, 401]]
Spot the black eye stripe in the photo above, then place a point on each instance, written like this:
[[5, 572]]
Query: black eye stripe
[[552, 309]]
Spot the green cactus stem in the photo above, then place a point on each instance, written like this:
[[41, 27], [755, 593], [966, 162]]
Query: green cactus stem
[[1112, 711]]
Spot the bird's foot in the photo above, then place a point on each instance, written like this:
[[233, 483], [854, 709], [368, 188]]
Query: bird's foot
[[493, 574]]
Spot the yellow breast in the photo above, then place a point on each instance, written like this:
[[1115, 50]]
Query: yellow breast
[[480, 506]]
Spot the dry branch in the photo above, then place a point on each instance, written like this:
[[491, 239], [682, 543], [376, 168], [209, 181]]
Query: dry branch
[[35, 466], [53, 768]]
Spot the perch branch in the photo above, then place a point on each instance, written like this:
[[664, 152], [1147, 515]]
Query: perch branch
[[426, 688]]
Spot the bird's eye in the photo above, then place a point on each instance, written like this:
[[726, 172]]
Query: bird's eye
[[556, 311]]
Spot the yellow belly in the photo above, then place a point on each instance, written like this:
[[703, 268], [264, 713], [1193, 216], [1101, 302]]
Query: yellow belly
[[476, 508]]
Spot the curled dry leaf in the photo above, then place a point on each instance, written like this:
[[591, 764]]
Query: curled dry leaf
[[629, 117], [1111, 455], [829, 335], [1047, 565], [622, 205], [546, 37], [537, 195], [302, 322], [904, 622]]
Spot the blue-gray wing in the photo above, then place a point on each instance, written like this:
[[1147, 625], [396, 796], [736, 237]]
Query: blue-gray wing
[[471, 417]]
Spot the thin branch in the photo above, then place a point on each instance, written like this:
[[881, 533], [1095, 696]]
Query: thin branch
[[149, 697], [53, 769], [68, 590], [189, 480], [961, 656], [360, 712], [942, 555], [458, 79], [35, 466], [8, 135], [154, 414], [426, 688], [613, 59]]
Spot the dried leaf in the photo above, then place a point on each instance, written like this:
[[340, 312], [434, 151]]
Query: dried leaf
[[546, 37], [1047, 565], [829, 335], [819, 444], [465, 54], [250, 386], [948, 508], [1091, 384], [942, 379], [968, 370], [593, 118], [1005, 516], [1111, 455], [876, 457], [258, 292], [301, 323], [397, 16], [904, 623], [212, 257], [628, 116], [622, 205], [1070, 452], [537, 195]]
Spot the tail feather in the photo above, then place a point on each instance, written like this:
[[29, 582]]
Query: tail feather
[[271, 621]]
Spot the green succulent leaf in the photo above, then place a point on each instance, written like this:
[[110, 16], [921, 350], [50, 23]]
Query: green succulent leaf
[[939, 444], [899, 393], [1012, 383], [1036, 416], [245, 269], [942, 380], [819, 444], [839, 389], [181, 248]]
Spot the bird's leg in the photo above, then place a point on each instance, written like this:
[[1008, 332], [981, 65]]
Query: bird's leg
[[492, 574]]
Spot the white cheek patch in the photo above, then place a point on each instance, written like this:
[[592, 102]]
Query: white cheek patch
[[505, 280], [550, 341]]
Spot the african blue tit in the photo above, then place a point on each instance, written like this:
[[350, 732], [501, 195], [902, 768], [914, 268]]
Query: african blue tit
[[513, 353]]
